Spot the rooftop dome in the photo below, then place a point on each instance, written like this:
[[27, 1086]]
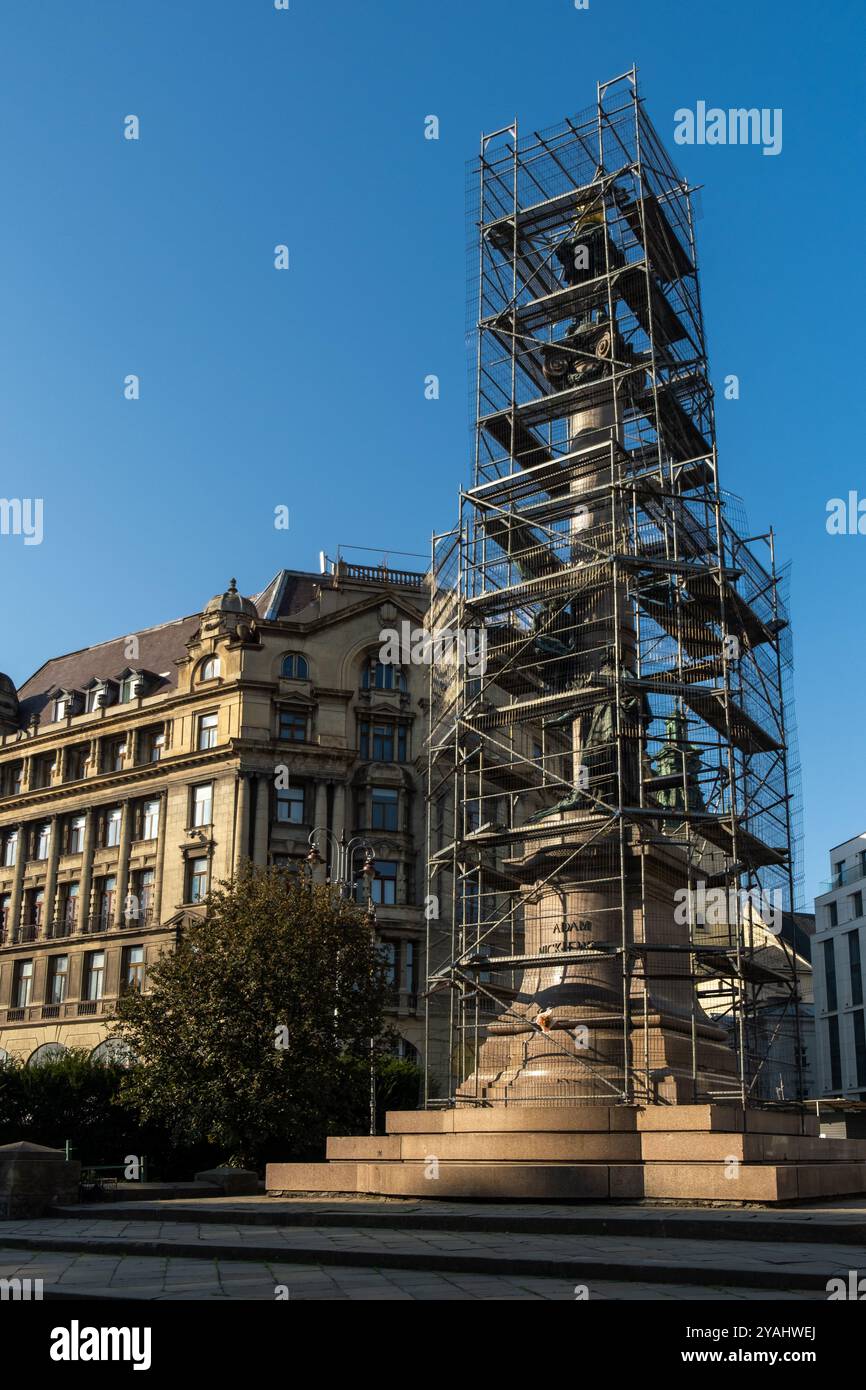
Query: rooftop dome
[[9, 711], [232, 602]]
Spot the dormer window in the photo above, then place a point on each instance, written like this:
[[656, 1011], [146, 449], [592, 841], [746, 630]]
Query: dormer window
[[64, 704], [295, 667], [131, 686], [211, 669], [100, 694]]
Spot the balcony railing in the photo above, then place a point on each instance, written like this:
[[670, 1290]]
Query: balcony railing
[[380, 574], [27, 931], [849, 873], [75, 1008], [64, 927]]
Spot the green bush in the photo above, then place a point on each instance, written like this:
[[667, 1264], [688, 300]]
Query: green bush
[[72, 1098]]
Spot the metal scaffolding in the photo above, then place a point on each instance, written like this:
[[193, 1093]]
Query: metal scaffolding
[[617, 767]]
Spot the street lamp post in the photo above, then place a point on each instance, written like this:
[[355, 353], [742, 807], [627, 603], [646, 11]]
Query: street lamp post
[[343, 854]]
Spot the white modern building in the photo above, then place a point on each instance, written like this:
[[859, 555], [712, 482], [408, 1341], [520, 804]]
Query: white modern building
[[838, 952]]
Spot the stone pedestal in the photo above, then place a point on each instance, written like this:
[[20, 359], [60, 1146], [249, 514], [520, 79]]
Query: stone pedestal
[[697, 1153], [33, 1179]]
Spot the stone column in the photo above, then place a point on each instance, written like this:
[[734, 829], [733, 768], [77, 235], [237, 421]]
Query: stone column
[[160, 858], [18, 882], [340, 810], [242, 839], [263, 811], [49, 911], [320, 810], [123, 862], [86, 880]]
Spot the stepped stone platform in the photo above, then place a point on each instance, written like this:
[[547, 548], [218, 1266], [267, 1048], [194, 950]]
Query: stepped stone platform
[[695, 1153]]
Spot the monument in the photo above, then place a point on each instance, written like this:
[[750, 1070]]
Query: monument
[[626, 746]]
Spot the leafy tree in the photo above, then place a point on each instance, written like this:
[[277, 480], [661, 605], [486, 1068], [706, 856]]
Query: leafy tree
[[252, 1029]]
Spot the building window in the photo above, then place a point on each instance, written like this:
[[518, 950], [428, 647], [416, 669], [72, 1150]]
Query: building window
[[211, 669], [830, 976], [111, 828], [61, 705], [94, 974], [43, 771], [115, 752], [379, 675], [145, 882], [856, 904], [149, 820], [207, 731], [409, 966], [129, 688], [37, 907], [132, 970], [76, 763], [5, 913], [107, 894], [92, 699], [294, 667], [42, 841], [835, 1053], [860, 1047], [75, 835], [152, 744], [293, 726], [70, 906], [290, 805], [385, 807], [384, 883], [10, 848], [390, 953], [855, 967], [11, 779], [202, 804], [22, 984], [288, 863], [832, 915], [198, 880], [58, 977], [378, 742]]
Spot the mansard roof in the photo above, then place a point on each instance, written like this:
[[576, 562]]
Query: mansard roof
[[159, 649], [288, 592]]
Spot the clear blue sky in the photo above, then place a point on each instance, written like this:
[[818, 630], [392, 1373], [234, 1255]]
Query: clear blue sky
[[305, 388]]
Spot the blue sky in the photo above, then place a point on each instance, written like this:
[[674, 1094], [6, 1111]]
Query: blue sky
[[305, 388]]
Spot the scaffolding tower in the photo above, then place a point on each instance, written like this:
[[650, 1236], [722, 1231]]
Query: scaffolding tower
[[610, 791]]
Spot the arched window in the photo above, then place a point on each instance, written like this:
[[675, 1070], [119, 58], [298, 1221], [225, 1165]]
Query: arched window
[[211, 669], [113, 1052], [48, 1052], [380, 675], [294, 667]]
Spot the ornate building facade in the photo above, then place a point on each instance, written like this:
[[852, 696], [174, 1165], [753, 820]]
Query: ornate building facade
[[136, 774]]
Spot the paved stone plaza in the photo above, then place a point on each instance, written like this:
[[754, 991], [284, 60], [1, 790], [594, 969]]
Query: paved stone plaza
[[255, 1248]]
